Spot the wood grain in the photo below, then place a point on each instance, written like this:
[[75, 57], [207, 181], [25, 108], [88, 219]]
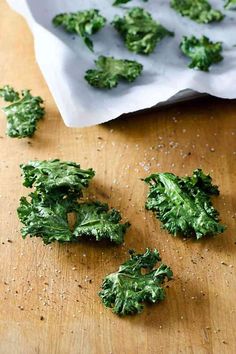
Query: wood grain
[[48, 297]]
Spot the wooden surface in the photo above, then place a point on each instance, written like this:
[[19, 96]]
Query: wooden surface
[[48, 295]]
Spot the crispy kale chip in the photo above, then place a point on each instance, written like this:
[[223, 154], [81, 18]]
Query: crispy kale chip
[[97, 221], [23, 114], [56, 176], [45, 218], [202, 51], [84, 23], [110, 71], [54, 213], [198, 10], [126, 290], [140, 32], [49, 218], [230, 4], [120, 2], [183, 204], [9, 94]]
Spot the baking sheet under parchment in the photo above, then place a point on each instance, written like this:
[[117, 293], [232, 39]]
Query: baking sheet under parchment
[[63, 59]]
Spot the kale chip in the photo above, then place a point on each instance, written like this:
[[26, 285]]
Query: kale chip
[[52, 176], [202, 51], [198, 10], [183, 204], [140, 31], [83, 23], [23, 114], [96, 220], [126, 290], [111, 70]]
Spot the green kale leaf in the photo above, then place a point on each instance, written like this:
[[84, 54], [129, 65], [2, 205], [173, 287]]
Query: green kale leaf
[[56, 176], [9, 94], [84, 23], [198, 10], [202, 51], [230, 4], [23, 114], [126, 290], [183, 204], [46, 219], [111, 70], [96, 220], [140, 32]]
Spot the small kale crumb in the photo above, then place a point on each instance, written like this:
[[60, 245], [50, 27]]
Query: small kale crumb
[[83, 23], [23, 113], [197, 10], [120, 2], [140, 31], [126, 290], [202, 51], [110, 71], [183, 204]]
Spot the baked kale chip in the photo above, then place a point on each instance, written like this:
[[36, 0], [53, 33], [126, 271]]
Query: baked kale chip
[[97, 221], [140, 31], [183, 204], [110, 71], [9, 94], [52, 176], [202, 51], [126, 290], [53, 211], [83, 23], [23, 114], [198, 10], [230, 4], [47, 219]]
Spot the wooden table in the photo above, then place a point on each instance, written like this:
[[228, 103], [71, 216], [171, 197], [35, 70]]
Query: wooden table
[[48, 297]]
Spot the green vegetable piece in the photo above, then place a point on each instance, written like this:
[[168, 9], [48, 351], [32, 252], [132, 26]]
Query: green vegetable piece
[[202, 51], [45, 219], [110, 71], [230, 4], [120, 2], [56, 176], [126, 290], [140, 32], [23, 114], [97, 221], [9, 94], [198, 10], [183, 204], [84, 23]]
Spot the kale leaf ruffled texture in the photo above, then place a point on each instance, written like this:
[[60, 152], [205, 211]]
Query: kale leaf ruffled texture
[[183, 204], [141, 33], [83, 23], [126, 290], [9, 94], [54, 210], [197, 10], [110, 71], [23, 113], [202, 52]]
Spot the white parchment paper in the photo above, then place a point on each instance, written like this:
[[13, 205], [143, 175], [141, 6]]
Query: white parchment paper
[[63, 59]]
